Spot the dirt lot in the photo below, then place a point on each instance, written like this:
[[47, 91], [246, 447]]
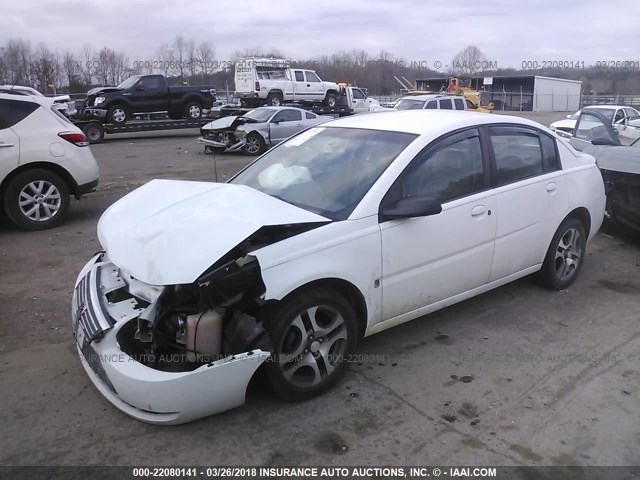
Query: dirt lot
[[517, 376]]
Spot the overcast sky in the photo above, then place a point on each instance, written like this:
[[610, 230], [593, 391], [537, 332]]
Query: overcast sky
[[506, 31]]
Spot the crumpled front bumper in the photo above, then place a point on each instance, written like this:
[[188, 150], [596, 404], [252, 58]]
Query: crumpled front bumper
[[226, 145], [142, 392]]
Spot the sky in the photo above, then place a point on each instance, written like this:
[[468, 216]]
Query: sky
[[508, 32]]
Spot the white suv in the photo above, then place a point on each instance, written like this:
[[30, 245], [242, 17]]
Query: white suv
[[44, 159]]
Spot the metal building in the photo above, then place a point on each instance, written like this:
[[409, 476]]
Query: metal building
[[521, 92]]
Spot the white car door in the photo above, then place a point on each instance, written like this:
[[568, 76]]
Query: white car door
[[11, 112], [629, 128], [532, 197], [431, 258], [592, 126], [315, 88], [358, 100]]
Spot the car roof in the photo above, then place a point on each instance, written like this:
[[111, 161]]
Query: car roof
[[283, 107], [422, 122], [427, 96], [608, 106], [44, 101]]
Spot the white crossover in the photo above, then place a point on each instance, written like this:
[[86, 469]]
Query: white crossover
[[342, 231]]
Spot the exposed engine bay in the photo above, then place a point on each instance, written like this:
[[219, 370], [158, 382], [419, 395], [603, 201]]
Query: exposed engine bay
[[179, 328]]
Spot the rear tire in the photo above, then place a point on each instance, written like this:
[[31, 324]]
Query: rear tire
[[274, 100], [36, 199], [565, 256], [330, 100], [312, 335], [94, 132], [193, 111]]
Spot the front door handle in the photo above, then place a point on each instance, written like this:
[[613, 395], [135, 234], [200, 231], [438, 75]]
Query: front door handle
[[478, 210], [551, 187], [6, 145]]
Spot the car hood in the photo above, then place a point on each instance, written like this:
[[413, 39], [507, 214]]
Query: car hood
[[566, 123], [224, 122], [169, 232], [618, 159], [99, 90]]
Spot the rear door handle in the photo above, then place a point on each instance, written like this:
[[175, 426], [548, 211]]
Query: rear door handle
[[6, 145], [478, 210], [551, 186]]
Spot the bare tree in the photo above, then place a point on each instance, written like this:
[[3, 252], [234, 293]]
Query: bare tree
[[191, 58], [467, 61], [180, 47], [87, 63], [72, 69], [165, 58], [206, 55], [44, 69]]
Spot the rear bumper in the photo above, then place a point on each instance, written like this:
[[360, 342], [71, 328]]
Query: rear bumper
[[86, 188], [247, 95], [144, 393]]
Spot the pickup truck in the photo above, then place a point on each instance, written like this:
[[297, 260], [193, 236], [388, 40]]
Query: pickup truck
[[270, 81], [144, 94]]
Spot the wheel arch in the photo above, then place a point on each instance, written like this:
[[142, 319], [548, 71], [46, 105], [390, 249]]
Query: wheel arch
[[582, 214], [52, 167], [276, 91], [341, 286]]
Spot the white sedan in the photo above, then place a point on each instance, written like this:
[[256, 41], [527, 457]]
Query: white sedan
[[342, 231]]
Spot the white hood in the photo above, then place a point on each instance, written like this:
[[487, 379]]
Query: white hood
[[169, 232]]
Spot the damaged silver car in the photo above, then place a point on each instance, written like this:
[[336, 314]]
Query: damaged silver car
[[256, 130]]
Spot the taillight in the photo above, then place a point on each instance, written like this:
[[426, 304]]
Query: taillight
[[76, 138], [257, 86]]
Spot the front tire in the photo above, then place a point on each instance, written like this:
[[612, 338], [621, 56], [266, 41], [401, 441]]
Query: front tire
[[117, 115], [565, 256], [312, 335], [36, 199], [254, 144]]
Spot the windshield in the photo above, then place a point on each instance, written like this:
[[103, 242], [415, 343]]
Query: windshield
[[129, 82], [607, 112], [409, 104], [325, 170], [260, 115]]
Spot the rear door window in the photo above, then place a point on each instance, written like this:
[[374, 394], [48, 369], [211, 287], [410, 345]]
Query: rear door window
[[446, 104], [517, 152], [459, 103], [13, 112]]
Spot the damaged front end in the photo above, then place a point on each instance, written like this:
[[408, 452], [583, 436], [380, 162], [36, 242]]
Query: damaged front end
[[170, 354], [220, 134], [623, 197]]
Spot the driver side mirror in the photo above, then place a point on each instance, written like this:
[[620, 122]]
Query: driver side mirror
[[411, 207], [139, 88]]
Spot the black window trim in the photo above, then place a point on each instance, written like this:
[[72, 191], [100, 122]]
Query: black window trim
[[485, 130], [444, 141]]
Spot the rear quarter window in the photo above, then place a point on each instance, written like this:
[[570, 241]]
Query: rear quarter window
[[13, 112]]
